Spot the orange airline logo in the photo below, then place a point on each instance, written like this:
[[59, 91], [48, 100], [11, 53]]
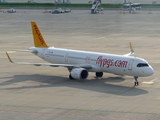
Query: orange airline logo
[[39, 34]]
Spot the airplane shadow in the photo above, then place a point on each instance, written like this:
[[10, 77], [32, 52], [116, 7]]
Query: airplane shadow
[[97, 85], [111, 79]]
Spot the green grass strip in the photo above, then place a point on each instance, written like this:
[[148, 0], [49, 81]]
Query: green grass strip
[[87, 5]]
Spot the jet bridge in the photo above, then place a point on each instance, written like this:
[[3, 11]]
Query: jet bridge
[[95, 8]]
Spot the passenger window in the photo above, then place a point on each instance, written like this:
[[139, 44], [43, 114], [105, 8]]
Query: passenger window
[[142, 65]]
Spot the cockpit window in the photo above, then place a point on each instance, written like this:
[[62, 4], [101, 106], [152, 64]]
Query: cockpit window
[[142, 65]]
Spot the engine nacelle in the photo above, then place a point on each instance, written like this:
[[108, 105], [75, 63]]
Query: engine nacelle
[[79, 73]]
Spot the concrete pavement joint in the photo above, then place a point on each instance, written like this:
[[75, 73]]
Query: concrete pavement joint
[[98, 103]]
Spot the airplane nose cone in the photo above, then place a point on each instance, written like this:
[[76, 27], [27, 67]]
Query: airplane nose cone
[[150, 71]]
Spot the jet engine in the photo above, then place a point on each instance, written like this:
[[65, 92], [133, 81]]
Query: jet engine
[[79, 73]]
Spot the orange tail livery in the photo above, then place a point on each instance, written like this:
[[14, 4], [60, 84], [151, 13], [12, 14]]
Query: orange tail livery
[[37, 36]]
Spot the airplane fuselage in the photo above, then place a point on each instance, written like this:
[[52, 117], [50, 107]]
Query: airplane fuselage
[[100, 62]]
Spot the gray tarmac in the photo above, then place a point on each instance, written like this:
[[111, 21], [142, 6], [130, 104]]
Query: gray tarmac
[[45, 93]]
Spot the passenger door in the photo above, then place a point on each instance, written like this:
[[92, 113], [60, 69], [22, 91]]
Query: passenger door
[[130, 64]]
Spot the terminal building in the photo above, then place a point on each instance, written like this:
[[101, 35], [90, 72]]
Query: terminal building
[[31, 1], [4, 1], [62, 1]]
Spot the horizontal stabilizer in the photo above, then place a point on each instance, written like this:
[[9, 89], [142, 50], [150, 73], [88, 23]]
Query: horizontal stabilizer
[[22, 50], [33, 51]]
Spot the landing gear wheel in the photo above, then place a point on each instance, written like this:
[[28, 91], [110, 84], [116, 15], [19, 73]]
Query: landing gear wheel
[[70, 77], [99, 74], [92, 11], [136, 83]]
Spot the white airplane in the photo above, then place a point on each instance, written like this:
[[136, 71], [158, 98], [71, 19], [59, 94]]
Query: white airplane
[[11, 10], [79, 63]]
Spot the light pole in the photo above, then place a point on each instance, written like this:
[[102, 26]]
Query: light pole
[[56, 2]]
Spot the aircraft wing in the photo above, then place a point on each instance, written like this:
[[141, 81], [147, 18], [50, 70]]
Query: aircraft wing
[[52, 65], [132, 51]]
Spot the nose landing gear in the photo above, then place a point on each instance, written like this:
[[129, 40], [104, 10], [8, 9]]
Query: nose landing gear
[[136, 83]]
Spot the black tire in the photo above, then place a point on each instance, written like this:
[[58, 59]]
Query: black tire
[[99, 74], [70, 77], [136, 83], [92, 11]]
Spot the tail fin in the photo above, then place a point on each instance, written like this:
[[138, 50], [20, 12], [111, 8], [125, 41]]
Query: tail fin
[[37, 36]]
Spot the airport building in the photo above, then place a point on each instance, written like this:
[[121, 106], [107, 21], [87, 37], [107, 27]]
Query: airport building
[[3, 1], [62, 1], [87, 1]]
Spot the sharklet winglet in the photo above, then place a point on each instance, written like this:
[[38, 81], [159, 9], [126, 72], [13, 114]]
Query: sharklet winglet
[[9, 58], [131, 48], [132, 51]]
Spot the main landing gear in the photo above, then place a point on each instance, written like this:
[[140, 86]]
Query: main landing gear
[[70, 77], [136, 83], [99, 74]]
